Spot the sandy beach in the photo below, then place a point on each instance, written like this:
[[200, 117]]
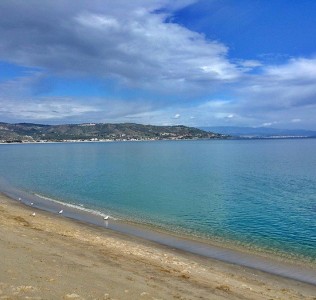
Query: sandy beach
[[48, 256]]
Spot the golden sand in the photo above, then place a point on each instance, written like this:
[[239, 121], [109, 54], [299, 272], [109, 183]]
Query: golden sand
[[47, 256]]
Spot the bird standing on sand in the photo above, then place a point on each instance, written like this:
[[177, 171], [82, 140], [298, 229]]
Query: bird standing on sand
[[61, 211], [33, 214]]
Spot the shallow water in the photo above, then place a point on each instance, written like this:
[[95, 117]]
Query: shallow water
[[258, 193]]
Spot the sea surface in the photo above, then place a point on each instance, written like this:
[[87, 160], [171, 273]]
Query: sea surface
[[258, 194]]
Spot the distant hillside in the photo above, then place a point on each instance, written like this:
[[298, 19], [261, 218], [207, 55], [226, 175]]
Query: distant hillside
[[27, 132], [260, 132]]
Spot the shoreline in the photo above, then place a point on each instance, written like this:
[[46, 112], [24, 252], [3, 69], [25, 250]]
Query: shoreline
[[48, 256], [230, 138], [272, 264]]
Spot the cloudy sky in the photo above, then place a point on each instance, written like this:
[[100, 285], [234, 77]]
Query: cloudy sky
[[197, 63]]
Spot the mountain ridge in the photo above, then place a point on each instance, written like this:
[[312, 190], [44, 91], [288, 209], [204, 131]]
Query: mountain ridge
[[30, 132]]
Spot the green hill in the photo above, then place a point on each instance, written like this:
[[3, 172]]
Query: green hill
[[27, 132]]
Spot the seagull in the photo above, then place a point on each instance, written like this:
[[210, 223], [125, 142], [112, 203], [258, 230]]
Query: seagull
[[33, 214], [61, 211], [20, 199], [32, 203], [106, 218]]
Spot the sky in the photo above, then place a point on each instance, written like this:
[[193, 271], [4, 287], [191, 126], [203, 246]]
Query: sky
[[163, 62]]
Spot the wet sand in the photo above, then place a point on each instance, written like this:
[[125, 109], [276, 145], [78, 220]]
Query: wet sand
[[48, 256]]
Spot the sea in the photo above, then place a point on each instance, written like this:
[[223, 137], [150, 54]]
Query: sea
[[257, 194]]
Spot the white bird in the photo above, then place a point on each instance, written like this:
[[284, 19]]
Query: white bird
[[61, 211], [33, 214], [32, 203], [106, 218], [20, 199]]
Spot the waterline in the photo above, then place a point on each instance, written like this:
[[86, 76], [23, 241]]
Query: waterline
[[297, 270]]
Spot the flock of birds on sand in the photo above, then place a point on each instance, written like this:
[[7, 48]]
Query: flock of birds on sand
[[60, 212]]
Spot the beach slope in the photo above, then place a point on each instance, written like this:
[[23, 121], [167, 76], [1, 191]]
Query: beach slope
[[47, 256]]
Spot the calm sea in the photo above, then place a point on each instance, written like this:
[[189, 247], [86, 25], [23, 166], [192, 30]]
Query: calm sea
[[256, 193]]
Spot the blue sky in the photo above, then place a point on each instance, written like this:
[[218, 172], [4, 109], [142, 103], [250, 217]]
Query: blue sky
[[197, 63]]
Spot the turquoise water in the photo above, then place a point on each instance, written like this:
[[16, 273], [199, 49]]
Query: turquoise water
[[257, 193]]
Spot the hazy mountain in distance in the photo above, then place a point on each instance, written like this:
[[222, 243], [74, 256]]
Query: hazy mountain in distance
[[260, 132]]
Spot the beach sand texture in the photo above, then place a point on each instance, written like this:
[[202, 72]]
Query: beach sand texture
[[47, 256]]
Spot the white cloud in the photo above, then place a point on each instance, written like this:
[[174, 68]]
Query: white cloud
[[295, 70], [44, 110], [100, 22], [280, 92], [296, 120], [267, 124], [214, 104], [130, 43], [250, 63]]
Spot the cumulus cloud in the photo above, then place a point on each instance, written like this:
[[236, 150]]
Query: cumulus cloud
[[290, 84], [281, 95], [127, 41], [133, 45], [298, 70], [280, 92]]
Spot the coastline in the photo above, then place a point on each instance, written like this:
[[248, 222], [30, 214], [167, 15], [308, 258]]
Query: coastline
[[304, 271], [163, 272]]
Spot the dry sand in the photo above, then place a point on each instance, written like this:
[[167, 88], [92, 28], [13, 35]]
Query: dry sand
[[47, 256]]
